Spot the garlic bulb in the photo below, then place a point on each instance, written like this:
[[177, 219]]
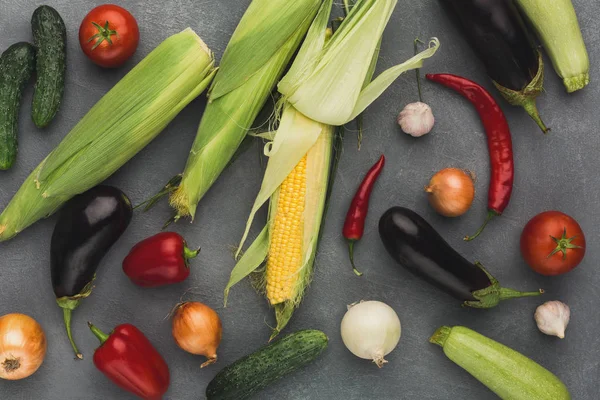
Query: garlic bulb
[[552, 318], [416, 119]]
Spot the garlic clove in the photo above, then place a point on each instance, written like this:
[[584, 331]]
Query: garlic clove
[[552, 318], [416, 119]]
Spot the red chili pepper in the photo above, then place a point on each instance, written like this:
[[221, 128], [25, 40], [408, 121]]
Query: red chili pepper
[[498, 138], [354, 227], [160, 260], [128, 359]]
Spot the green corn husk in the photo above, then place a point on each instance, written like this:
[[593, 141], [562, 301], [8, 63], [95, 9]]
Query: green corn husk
[[256, 56], [121, 124], [330, 87], [556, 24], [346, 91]]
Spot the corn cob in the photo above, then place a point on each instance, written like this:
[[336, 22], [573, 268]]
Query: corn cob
[[122, 123], [256, 56], [298, 172]]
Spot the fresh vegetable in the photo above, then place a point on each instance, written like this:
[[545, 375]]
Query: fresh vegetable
[[416, 119], [498, 138], [504, 371], [552, 243], [50, 38], [415, 245], [496, 32], [552, 318], [296, 180], [22, 346], [17, 64], [159, 260], [256, 371], [371, 330], [556, 25], [109, 35], [451, 192], [87, 227], [354, 226], [257, 54], [129, 360], [122, 123], [197, 329]]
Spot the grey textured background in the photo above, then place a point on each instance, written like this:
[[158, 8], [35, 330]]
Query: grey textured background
[[559, 171]]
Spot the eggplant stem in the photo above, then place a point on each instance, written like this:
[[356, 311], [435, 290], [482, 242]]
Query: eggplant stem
[[491, 214], [351, 254], [506, 293], [530, 107], [67, 314]]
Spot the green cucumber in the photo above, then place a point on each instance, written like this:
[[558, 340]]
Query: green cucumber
[[17, 64], [50, 38], [504, 371], [254, 372]]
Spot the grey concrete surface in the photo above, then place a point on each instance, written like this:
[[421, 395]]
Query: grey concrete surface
[[558, 171]]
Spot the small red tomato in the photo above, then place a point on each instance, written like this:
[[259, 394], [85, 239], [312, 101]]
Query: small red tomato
[[109, 35], [552, 243]]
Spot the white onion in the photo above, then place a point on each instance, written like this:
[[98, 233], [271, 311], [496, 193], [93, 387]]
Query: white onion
[[371, 330]]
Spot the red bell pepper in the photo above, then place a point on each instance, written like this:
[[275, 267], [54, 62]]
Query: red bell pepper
[[128, 359], [160, 260]]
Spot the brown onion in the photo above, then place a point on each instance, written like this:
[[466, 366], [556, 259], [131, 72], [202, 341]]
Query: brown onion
[[197, 329], [22, 346], [451, 192]]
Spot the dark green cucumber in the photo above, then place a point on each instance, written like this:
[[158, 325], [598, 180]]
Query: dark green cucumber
[[50, 38], [254, 372], [17, 64], [509, 374]]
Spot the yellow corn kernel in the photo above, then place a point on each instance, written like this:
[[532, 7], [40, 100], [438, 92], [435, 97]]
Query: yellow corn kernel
[[285, 252]]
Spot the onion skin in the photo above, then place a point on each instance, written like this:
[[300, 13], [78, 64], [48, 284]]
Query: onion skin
[[451, 192], [22, 346], [197, 329]]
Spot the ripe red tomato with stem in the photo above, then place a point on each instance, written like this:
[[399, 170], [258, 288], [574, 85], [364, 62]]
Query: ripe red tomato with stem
[[552, 243], [109, 35]]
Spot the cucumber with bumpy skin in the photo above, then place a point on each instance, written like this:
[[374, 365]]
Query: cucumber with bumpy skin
[[17, 64], [254, 372], [509, 374], [50, 38]]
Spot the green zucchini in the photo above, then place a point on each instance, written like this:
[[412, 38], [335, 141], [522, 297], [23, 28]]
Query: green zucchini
[[17, 64], [254, 372], [50, 38], [504, 371]]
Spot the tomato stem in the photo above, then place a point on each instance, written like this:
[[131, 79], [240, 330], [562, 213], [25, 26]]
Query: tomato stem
[[563, 244], [104, 34]]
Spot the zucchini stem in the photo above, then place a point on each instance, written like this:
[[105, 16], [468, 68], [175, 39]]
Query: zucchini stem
[[440, 336]]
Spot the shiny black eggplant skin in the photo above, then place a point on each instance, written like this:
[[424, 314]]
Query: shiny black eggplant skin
[[498, 35], [416, 245], [88, 225]]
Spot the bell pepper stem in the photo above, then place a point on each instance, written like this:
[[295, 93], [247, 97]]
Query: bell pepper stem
[[491, 214], [351, 254], [102, 337], [188, 253], [67, 314]]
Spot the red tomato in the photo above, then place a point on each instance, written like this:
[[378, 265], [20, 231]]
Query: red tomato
[[109, 35], [552, 243]]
